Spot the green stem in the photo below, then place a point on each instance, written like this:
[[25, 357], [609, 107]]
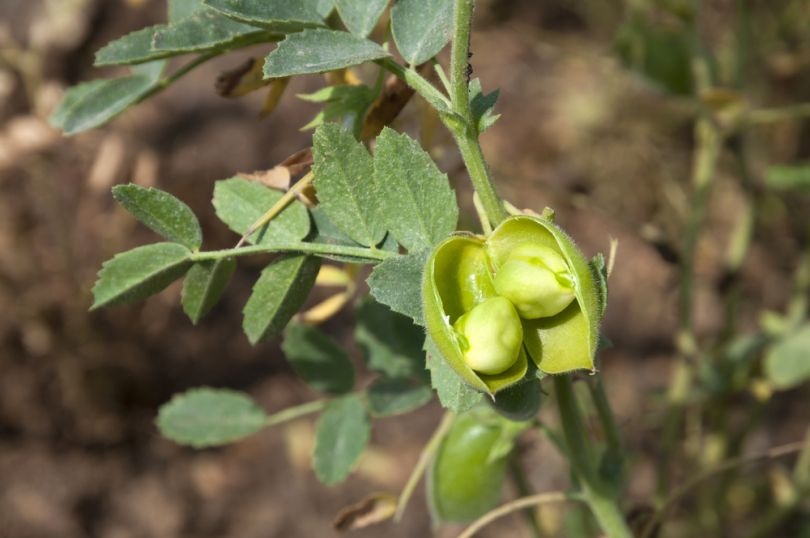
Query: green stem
[[597, 494], [602, 404], [180, 73], [292, 413], [466, 132], [422, 463], [423, 87], [365, 254]]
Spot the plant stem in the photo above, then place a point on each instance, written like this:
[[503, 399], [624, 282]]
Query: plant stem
[[422, 463], [423, 87], [180, 73], [298, 411], [362, 253], [514, 506], [602, 404], [595, 491], [466, 131]]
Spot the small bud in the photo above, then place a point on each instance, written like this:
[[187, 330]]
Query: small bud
[[537, 280], [490, 336]]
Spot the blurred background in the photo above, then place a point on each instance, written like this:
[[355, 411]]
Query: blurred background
[[597, 122]]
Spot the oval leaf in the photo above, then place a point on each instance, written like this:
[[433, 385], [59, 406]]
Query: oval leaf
[[278, 294], [421, 28], [387, 397], [342, 435], [418, 204], [277, 15], [206, 29], [360, 16], [210, 417], [317, 51], [344, 173], [133, 48], [397, 283], [204, 285], [390, 341], [161, 212], [136, 274], [318, 359], [239, 203]]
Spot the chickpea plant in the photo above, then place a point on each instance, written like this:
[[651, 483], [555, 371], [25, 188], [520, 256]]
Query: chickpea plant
[[480, 319]]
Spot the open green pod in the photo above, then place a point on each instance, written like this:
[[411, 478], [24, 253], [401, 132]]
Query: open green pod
[[457, 279], [567, 340]]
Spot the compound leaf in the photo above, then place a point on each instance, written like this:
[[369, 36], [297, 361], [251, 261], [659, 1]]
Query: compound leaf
[[418, 204], [161, 212], [320, 50], [138, 273], [210, 417], [342, 435], [278, 294]]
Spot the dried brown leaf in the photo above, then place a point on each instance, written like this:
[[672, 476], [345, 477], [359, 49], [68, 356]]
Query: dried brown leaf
[[372, 510]]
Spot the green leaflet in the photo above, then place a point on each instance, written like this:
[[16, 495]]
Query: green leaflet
[[454, 393], [210, 417], [397, 283], [391, 342], [161, 212], [94, 103], [180, 9], [205, 30], [347, 104], [317, 51], [421, 28], [138, 273], [388, 397], [133, 48], [360, 16], [278, 294], [344, 173], [239, 203], [318, 359], [281, 16], [482, 106], [787, 362], [418, 205], [342, 435], [204, 285]]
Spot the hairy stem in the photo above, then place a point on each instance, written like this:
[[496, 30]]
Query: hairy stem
[[292, 413], [367, 255], [601, 500], [465, 132]]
